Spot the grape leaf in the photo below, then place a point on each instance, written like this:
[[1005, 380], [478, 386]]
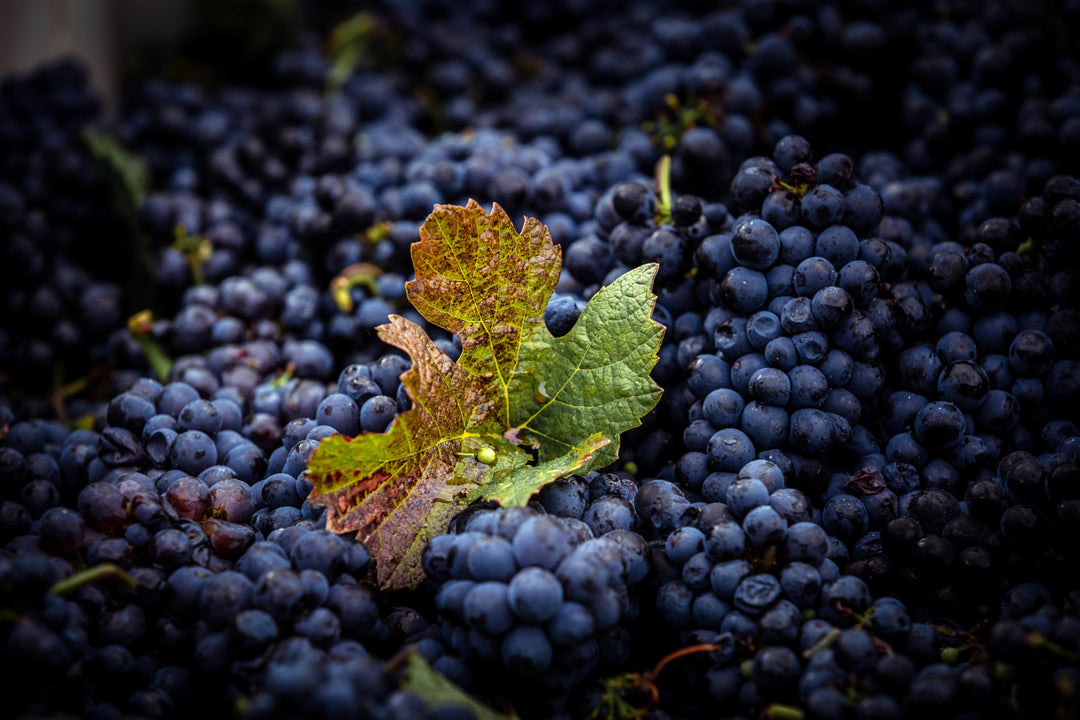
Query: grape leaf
[[595, 377], [479, 278], [129, 168], [128, 180], [514, 392], [435, 690], [512, 481]]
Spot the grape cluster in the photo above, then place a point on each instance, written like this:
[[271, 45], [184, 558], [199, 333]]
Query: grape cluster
[[536, 597], [858, 497], [63, 299]]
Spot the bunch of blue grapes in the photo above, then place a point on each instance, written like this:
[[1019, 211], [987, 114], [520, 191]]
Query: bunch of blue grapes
[[68, 269], [205, 565], [534, 599], [858, 497], [854, 657]]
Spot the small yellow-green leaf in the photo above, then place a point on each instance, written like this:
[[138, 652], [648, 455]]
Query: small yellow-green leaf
[[434, 690], [514, 484]]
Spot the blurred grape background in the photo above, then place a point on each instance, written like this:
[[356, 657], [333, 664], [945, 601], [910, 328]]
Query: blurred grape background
[[122, 40]]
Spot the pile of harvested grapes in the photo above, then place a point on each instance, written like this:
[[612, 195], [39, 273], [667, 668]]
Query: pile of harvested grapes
[[577, 359]]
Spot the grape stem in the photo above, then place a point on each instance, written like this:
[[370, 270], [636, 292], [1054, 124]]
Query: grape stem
[[614, 705], [681, 652], [140, 325], [104, 571], [362, 274], [783, 712], [663, 183]]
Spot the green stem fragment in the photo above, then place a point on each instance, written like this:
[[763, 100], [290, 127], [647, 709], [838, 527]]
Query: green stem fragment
[[196, 249], [104, 571], [614, 705], [1028, 246], [663, 182], [434, 690], [74, 387], [139, 326], [951, 655], [129, 168], [798, 189], [377, 232], [61, 391], [1005, 672], [823, 644], [678, 116], [486, 455], [777, 711], [1041, 642], [284, 377], [349, 42], [342, 69], [357, 274]]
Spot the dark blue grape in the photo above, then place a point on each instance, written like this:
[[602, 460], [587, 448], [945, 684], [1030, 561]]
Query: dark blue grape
[[526, 651], [756, 593], [724, 540], [714, 256], [823, 206], [707, 373], [754, 243], [743, 290], [764, 526], [988, 287], [796, 245], [762, 327], [561, 314], [813, 274], [963, 384], [1031, 353], [729, 449], [940, 424], [674, 604], [340, 412], [540, 541], [781, 353]]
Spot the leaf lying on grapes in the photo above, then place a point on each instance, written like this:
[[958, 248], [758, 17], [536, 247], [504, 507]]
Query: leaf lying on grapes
[[129, 168], [518, 409], [434, 690], [128, 179]]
